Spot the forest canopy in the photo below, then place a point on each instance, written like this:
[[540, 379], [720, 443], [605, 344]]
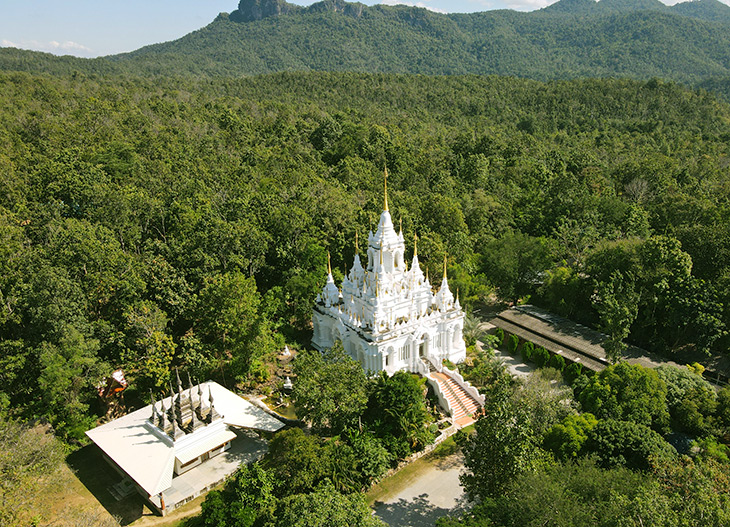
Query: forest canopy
[[142, 221]]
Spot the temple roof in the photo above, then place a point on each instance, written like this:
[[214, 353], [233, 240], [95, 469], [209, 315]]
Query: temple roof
[[147, 455]]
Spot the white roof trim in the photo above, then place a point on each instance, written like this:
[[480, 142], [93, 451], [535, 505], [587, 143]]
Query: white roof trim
[[198, 449], [148, 457], [239, 412]]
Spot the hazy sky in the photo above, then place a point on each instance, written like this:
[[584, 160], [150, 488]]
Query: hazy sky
[[90, 28]]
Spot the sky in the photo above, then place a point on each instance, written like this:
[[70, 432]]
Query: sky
[[93, 28]]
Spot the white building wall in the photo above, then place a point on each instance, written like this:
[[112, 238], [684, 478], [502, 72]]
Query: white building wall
[[387, 316]]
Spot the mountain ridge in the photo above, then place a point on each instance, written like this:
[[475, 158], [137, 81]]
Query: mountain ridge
[[687, 42]]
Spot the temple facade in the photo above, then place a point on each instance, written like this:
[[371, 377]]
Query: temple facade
[[386, 315]]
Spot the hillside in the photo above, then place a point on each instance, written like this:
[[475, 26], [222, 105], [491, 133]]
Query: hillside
[[688, 42]]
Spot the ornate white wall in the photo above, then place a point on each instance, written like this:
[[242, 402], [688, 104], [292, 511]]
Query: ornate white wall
[[385, 315]]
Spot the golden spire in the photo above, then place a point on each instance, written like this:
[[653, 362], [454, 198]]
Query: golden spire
[[415, 244], [329, 264], [400, 221], [385, 187], [357, 246], [444, 266]]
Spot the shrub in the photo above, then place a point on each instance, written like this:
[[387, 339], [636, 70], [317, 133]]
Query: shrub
[[528, 349], [513, 343], [572, 372], [499, 333], [557, 362], [566, 439], [541, 356]]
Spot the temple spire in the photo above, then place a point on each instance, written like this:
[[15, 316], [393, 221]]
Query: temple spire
[[357, 245], [385, 187], [154, 409], [415, 245], [444, 266], [162, 414], [329, 264]]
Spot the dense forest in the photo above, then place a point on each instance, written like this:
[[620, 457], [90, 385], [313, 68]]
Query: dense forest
[[132, 210], [175, 222], [688, 42]]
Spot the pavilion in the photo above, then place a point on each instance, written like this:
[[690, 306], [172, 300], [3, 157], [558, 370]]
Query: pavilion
[[174, 450]]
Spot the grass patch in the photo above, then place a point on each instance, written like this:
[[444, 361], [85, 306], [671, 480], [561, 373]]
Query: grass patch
[[449, 447]]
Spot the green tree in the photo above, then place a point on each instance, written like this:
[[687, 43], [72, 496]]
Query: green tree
[[503, 446], [627, 392], [247, 500], [396, 411], [330, 390], [625, 443], [617, 304], [691, 400], [515, 262], [297, 460], [325, 507], [149, 349], [227, 316], [545, 399], [566, 439]]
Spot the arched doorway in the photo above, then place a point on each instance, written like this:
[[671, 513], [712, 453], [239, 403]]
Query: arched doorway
[[424, 346]]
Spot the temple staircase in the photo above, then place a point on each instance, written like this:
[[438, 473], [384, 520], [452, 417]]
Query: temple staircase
[[465, 408]]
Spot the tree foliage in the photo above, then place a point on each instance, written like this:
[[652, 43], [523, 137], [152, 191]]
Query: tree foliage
[[627, 392], [331, 389]]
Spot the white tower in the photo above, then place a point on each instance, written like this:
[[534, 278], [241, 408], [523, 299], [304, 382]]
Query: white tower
[[386, 316]]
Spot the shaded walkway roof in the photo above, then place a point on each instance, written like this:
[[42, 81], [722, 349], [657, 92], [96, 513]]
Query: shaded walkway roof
[[561, 336]]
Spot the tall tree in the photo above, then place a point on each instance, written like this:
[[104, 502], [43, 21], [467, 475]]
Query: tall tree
[[503, 446], [330, 389], [617, 304]]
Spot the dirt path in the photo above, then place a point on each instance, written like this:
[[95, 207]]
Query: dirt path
[[423, 492]]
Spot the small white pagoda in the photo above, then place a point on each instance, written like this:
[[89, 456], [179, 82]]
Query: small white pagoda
[[387, 316]]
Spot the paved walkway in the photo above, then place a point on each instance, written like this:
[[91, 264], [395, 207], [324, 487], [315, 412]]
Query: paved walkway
[[514, 364], [432, 493]]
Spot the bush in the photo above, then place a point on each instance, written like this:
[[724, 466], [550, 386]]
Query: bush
[[557, 362], [527, 350], [513, 342], [572, 372], [499, 333], [541, 356], [624, 443]]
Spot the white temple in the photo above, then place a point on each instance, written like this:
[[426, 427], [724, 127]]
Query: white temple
[[386, 316]]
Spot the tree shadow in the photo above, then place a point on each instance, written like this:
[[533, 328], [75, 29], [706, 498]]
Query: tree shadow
[[416, 512], [97, 476]]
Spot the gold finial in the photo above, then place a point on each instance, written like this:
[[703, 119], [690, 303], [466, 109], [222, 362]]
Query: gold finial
[[444, 267], [329, 264], [400, 222], [415, 244], [357, 246], [426, 273], [385, 187]]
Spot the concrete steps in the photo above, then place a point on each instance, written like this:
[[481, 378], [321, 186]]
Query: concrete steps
[[464, 406]]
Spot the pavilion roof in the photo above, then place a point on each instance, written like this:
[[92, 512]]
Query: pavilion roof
[[147, 455]]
